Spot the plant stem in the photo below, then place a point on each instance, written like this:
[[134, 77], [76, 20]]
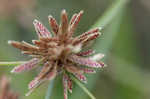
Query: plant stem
[[11, 63], [83, 87], [49, 91], [111, 13]]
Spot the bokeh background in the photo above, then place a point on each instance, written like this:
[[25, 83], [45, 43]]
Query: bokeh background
[[125, 42]]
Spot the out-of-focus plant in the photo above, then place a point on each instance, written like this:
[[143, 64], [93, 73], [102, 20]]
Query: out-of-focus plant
[[7, 8], [5, 92]]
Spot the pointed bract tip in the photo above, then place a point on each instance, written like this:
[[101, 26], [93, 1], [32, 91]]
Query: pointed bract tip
[[12, 71], [33, 41], [101, 55], [100, 28], [35, 21], [22, 52], [50, 17], [77, 48], [70, 91], [81, 12], [94, 71], [63, 11], [23, 41], [97, 57], [10, 42], [85, 82], [28, 93], [105, 65], [99, 33]]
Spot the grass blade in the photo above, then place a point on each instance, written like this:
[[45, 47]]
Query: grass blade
[[11, 63], [49, 91], [83, 87], [110, 13]]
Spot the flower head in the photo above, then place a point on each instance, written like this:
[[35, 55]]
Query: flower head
[[60, 52]]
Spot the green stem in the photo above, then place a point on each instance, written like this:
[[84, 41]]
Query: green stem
[[49, 91], [83, 87], [11, 63]]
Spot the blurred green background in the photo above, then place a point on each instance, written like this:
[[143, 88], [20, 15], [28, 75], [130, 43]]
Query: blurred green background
[[125, 42]]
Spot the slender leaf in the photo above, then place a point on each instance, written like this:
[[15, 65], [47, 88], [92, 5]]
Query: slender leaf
[[49, 90], [11, 63], [83, 87]]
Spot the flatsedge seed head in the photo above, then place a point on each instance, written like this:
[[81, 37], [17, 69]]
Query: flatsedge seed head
[[61, 53]]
